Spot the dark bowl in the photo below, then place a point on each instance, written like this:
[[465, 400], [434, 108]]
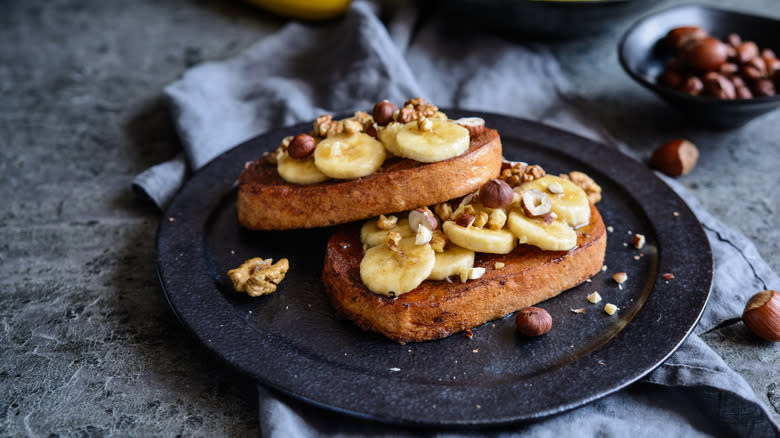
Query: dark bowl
[[544, 19], [643, 57]]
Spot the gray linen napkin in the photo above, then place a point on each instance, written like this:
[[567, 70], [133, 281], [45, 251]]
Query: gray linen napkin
[[285, 78]]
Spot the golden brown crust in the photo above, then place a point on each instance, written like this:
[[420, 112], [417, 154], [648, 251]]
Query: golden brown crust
[[437, 309], [267, 202]]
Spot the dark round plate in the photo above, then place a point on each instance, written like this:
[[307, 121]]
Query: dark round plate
[[293, 341]]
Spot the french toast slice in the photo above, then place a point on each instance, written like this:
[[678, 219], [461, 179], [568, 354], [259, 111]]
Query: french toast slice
[[267, 202], [437, 309]]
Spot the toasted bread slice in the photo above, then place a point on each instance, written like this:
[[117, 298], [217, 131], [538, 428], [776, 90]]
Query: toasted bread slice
[[267, 202], [437, 309]]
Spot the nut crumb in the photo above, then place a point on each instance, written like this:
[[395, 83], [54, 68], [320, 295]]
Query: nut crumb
[[676, 213], [499, 265], [636, 257], [639, 240], [171, 219], [258, 276], [610, 229], [620, 277], [610, 308], [469, 334], [580, 310], [668, 276], [595, 297], [394, 369], [476, 350], [386, 222]]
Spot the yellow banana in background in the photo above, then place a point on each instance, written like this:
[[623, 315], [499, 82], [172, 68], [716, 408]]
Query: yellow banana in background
[[311, 10]]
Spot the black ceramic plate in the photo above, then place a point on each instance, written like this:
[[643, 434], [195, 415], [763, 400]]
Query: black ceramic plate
[[294, 342], [643, 58]]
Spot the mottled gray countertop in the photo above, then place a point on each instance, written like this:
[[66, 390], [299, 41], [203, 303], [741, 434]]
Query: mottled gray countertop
[[88, 346]]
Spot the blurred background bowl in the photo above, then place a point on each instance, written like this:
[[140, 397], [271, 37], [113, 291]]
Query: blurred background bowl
[[545, 19], [643, 58]]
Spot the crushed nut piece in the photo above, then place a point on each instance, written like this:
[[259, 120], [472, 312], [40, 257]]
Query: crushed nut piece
[[481, 220], [555, 188], [668, 276], [257, 276], [469, 335], [610, 308], [443, 210], [610, 229], [352, 126], [497, 219], [586, 183], [639, 240], [424, 124], [391, 240], [580, 310], [423, 236], [325, 126], [594, 297], [416, 108], [386, 222], [520, 172], [620, 277], [499, 265], [438, 241]]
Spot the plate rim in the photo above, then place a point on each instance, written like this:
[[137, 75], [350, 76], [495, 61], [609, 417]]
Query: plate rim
[[213, 338]]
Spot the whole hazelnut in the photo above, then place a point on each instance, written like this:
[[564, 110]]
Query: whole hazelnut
[[743, 92], [301, 146], [764, 87], [676, 157], [762, 315], [715, 84], [734, 39], [693, 86], [496, 193], [680, 36], [383, 112], [533, 321], [746, 51], [705, 54], [671, 79]]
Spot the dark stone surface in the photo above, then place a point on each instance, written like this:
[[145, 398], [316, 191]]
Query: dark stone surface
[[88, 345]]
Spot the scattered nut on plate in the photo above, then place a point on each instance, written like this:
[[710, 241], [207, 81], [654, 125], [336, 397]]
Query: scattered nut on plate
[[762, 315], [533, 321]]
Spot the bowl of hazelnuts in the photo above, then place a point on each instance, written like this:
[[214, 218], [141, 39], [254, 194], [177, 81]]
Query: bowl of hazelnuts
[[718, 68]]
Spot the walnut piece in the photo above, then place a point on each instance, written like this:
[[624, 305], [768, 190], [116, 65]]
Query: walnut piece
[[518, 173], [325, 126], [386, 222], [258, 276], [416, 108], [438, 241], [586, 183]]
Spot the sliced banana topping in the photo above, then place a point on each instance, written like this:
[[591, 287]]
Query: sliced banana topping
[[428, 141], [453, 261], [553, 236], [480, 239], [567, 200], [371, 235], [397, 271], [298, 171], [349, 156]]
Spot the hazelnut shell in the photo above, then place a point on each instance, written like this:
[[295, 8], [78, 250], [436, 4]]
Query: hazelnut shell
[[533, 321], [762, 315], [676, 157]]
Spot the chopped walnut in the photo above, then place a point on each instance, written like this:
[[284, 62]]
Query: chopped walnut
[[325, 126], [352, 126], [424, 124], [438, 241], [392, 239], [481, 219], [497, 219], [586, 183], [443, 210], [519, 173], [363, 118], [386, 222], [258, 276], [415, 109]]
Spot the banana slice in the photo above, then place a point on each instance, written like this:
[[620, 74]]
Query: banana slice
[[349, 156], [298, 172], [394, 273], [569, 201], [553, 236], [452, 261], [480, 239], [370, 235], [438, 140]]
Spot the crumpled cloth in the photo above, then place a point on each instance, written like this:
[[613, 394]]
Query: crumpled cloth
[[304, 71]]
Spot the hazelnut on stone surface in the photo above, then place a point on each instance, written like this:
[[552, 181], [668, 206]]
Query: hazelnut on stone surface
[[496, 194], [533, 321], [301, 146], [383, 112], [762, 315], [676, 157]]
